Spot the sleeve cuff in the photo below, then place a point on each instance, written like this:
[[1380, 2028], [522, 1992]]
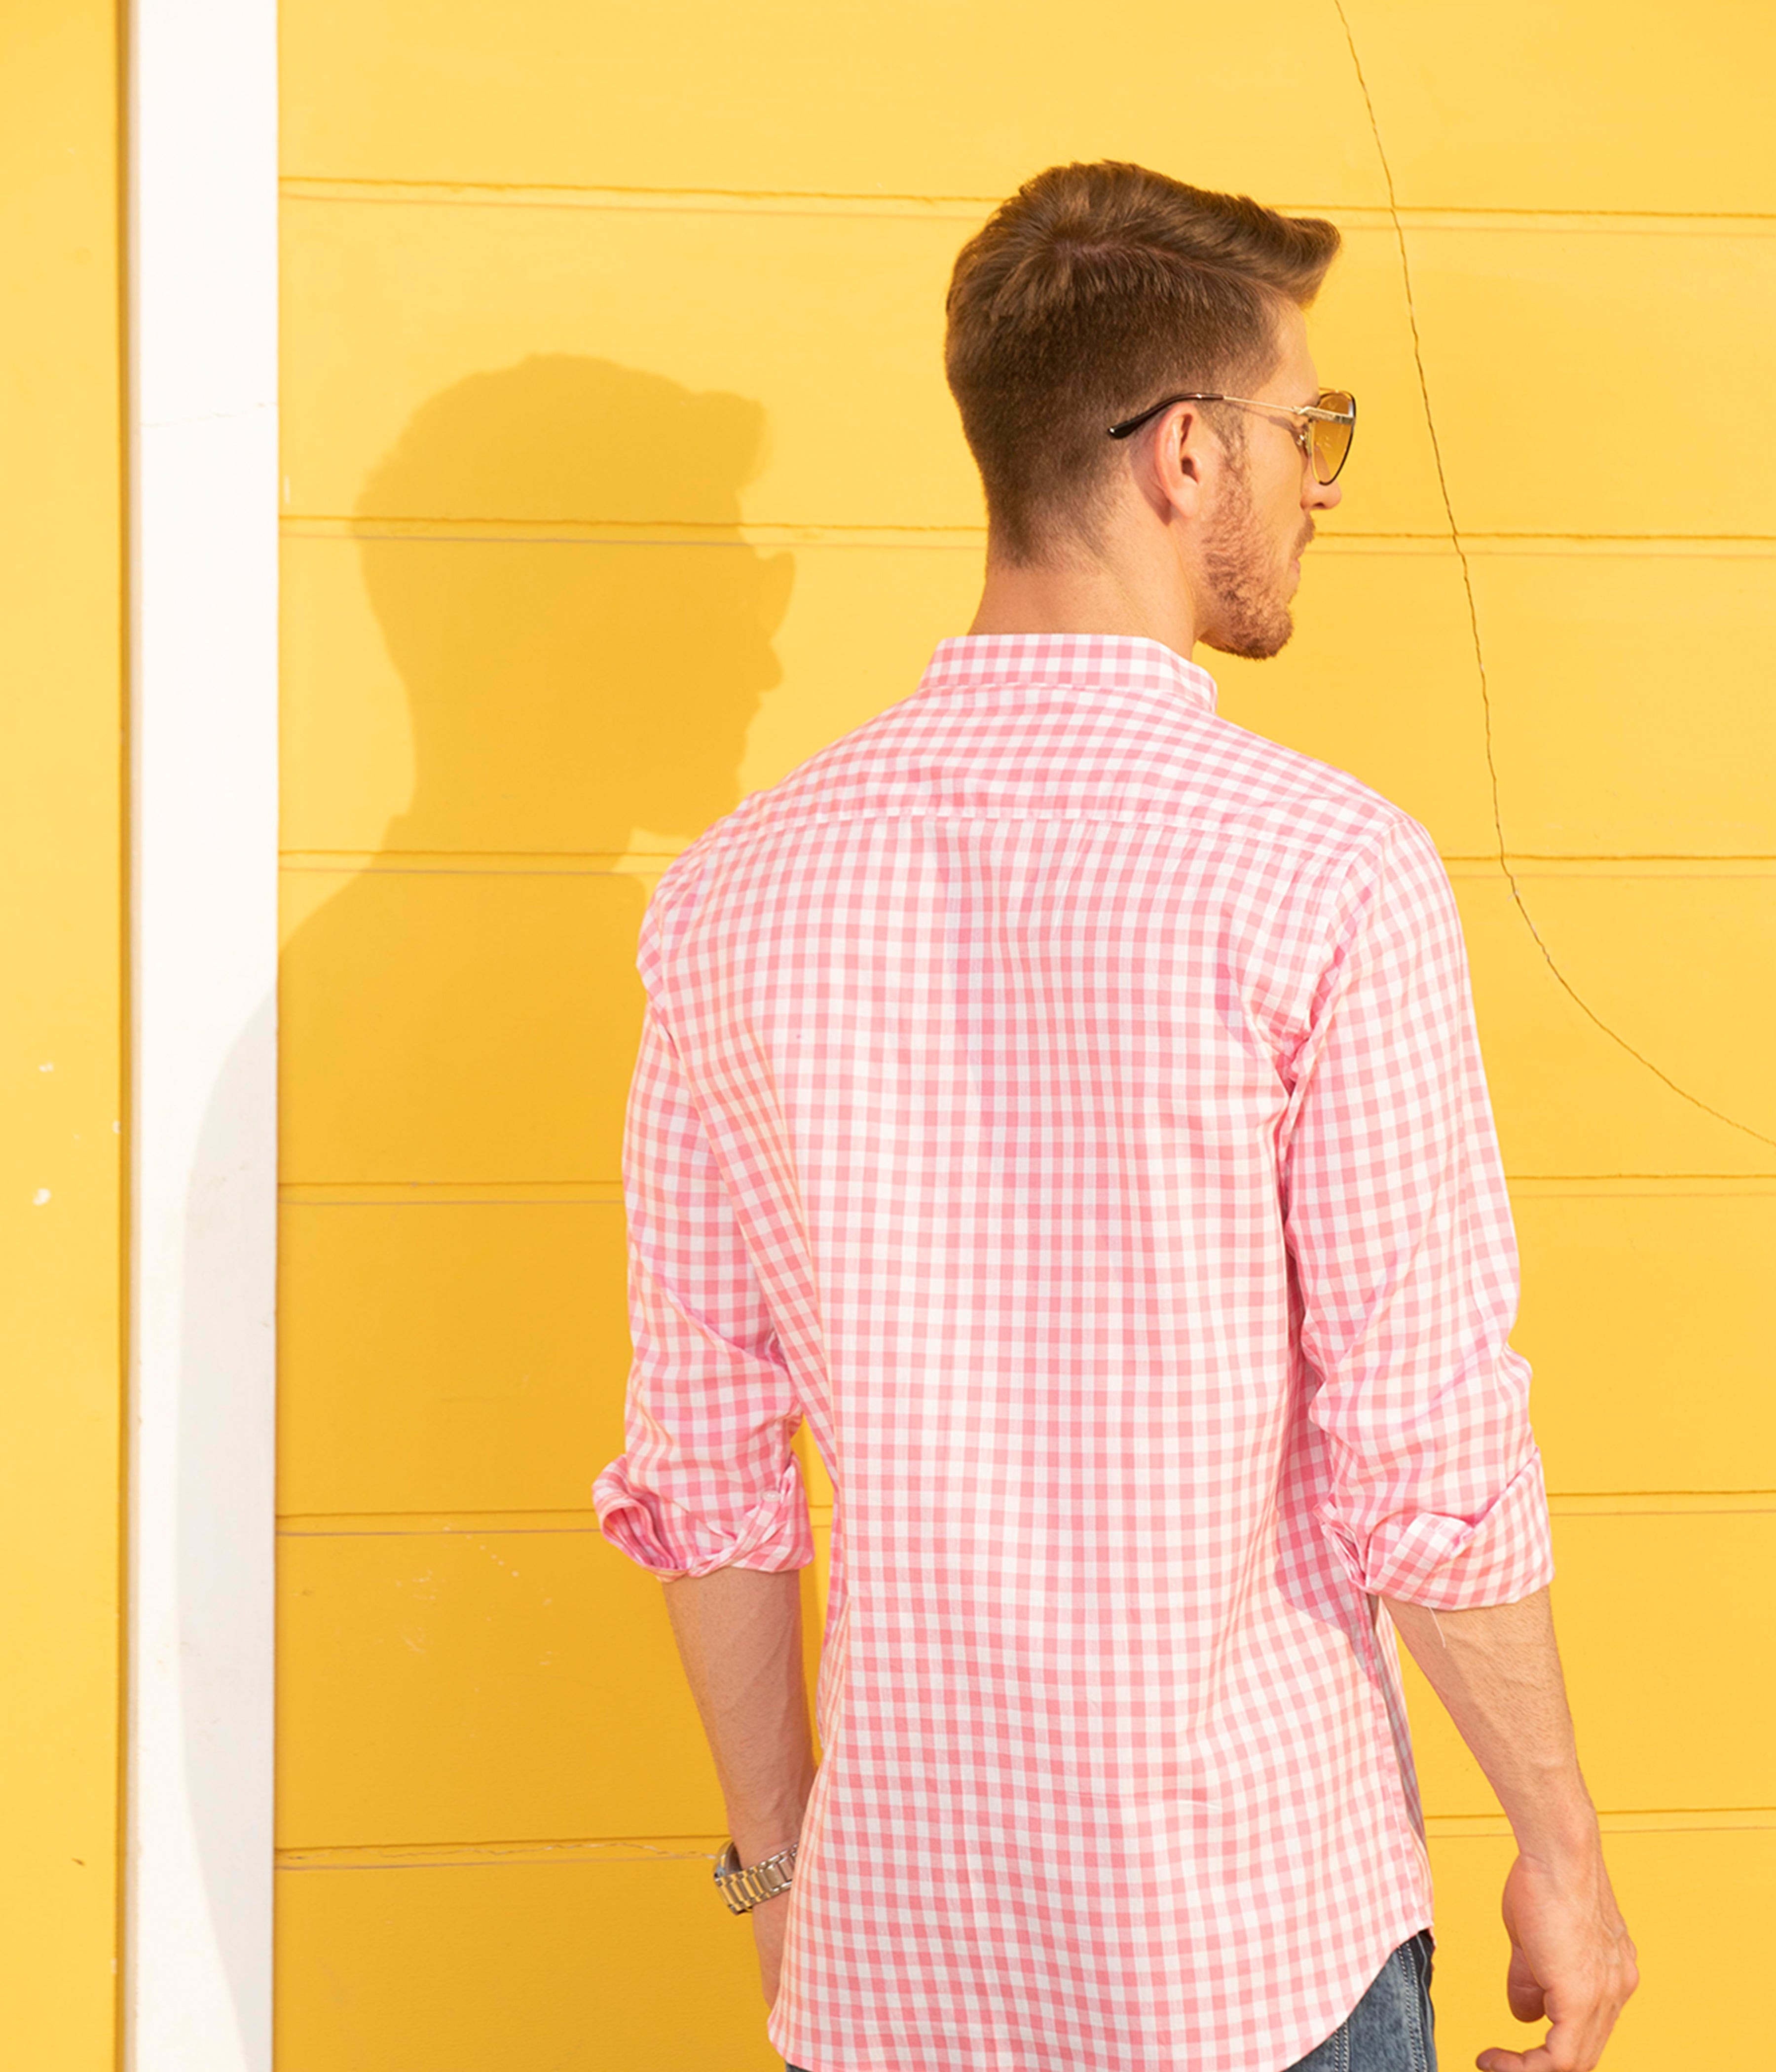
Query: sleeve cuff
[[1454, 1564], [666, 1538]]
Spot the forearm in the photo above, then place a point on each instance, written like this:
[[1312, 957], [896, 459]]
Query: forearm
[[1497, 1672], [739, 1635]]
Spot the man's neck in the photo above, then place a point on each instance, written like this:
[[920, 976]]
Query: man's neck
[[1086, 595]]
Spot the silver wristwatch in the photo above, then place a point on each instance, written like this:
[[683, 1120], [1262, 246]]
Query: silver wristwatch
[[743, 1889]]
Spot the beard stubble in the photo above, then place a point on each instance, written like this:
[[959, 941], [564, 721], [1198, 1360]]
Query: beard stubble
[[1252, 614]]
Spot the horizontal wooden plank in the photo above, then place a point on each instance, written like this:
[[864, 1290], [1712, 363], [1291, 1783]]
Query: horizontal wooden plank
[[462, 1026], [1698, 1906], [1528, 107], [467, 1357], [471, 1966], [1624, 716], [586, 697], [474, 1027], [522, 1685], [580, 696], [477, 1686], [1682, 967], [1646, 1318], [1551, 355], [1646, 1604], [916, 97], [1628, 705], [1678, 967], [473, 360], [449, 1358], [577, 1964]]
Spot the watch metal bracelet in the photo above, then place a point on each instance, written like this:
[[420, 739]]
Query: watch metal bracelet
[[745, 1889]]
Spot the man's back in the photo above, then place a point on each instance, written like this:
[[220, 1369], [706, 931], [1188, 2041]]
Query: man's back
[[1069, 1102]]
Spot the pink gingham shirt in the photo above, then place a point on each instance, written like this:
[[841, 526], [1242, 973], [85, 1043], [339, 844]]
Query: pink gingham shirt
[[1070, 1104]]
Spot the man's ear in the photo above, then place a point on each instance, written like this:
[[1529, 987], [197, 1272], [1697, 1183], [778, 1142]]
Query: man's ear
[[1179, 457]]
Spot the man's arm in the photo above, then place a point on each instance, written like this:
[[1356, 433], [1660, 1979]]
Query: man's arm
[[1497, 1670], [708, 1495], [1399, 1220], [739, 1635]]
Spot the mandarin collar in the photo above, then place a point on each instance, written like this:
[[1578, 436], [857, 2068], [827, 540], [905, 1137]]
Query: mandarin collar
[[1093, 661]]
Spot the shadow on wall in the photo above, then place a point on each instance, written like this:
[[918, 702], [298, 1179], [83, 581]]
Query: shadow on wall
[[566, 690], [553, 553]]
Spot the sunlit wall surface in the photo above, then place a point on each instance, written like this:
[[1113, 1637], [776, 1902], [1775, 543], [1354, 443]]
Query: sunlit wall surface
[[620, 476]]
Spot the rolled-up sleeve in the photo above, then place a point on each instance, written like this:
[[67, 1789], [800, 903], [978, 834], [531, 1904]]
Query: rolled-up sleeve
[[708, 1480], [1398, 1223]]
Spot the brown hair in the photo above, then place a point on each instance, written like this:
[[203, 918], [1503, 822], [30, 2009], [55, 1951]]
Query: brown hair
[[1086, 296]]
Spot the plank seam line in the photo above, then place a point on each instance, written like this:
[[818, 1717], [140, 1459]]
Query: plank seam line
[[601, 1194], [444, 1855], [1473, 616], [1573, 1179], [569, 1521], [445, 1194], [348, 859], [305, 186], [393, 863], [410, 528], [1728, 1820]]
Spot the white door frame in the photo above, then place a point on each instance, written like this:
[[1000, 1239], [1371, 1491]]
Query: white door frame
[[202, 238]]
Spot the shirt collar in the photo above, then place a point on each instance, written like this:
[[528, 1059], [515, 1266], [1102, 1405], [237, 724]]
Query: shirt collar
[[1079, 661]]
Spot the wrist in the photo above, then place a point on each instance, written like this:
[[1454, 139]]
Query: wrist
[[757, 1835], [767, 1823], [1561, 1840], [753, 1845]]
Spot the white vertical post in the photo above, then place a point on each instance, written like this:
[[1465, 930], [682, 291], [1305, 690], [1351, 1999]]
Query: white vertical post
[[203, 471]]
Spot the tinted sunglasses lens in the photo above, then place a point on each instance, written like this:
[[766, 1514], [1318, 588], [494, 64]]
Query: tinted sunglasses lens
[[1332, 442]]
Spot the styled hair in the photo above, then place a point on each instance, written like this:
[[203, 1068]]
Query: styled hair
[[1084, 298]]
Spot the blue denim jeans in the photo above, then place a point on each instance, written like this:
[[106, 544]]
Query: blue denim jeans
[[1390, 2030]]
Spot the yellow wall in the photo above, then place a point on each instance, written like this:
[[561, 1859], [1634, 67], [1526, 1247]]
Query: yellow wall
[[62, 954], [619, 476]]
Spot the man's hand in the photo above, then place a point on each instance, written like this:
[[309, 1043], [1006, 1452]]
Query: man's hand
[[1572, 1963], [1497, 1672], [769, 1919]]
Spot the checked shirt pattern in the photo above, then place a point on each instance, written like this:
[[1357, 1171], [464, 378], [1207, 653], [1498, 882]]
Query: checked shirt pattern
[[1068, 1103]]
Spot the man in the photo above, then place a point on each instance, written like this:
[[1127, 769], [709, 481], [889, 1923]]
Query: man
[[1070, 1104]]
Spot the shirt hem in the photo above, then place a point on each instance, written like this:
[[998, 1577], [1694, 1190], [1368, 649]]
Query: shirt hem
[[1419, 1916]]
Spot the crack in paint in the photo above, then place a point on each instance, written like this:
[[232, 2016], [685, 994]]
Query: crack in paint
[[1473, 621]]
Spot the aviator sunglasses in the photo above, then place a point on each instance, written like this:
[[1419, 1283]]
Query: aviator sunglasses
[[1324, 434]]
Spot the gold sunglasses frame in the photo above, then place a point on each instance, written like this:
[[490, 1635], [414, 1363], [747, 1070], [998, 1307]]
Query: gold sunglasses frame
[[1312, 414]]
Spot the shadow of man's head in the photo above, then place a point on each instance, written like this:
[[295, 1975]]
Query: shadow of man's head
[[586, 645]]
